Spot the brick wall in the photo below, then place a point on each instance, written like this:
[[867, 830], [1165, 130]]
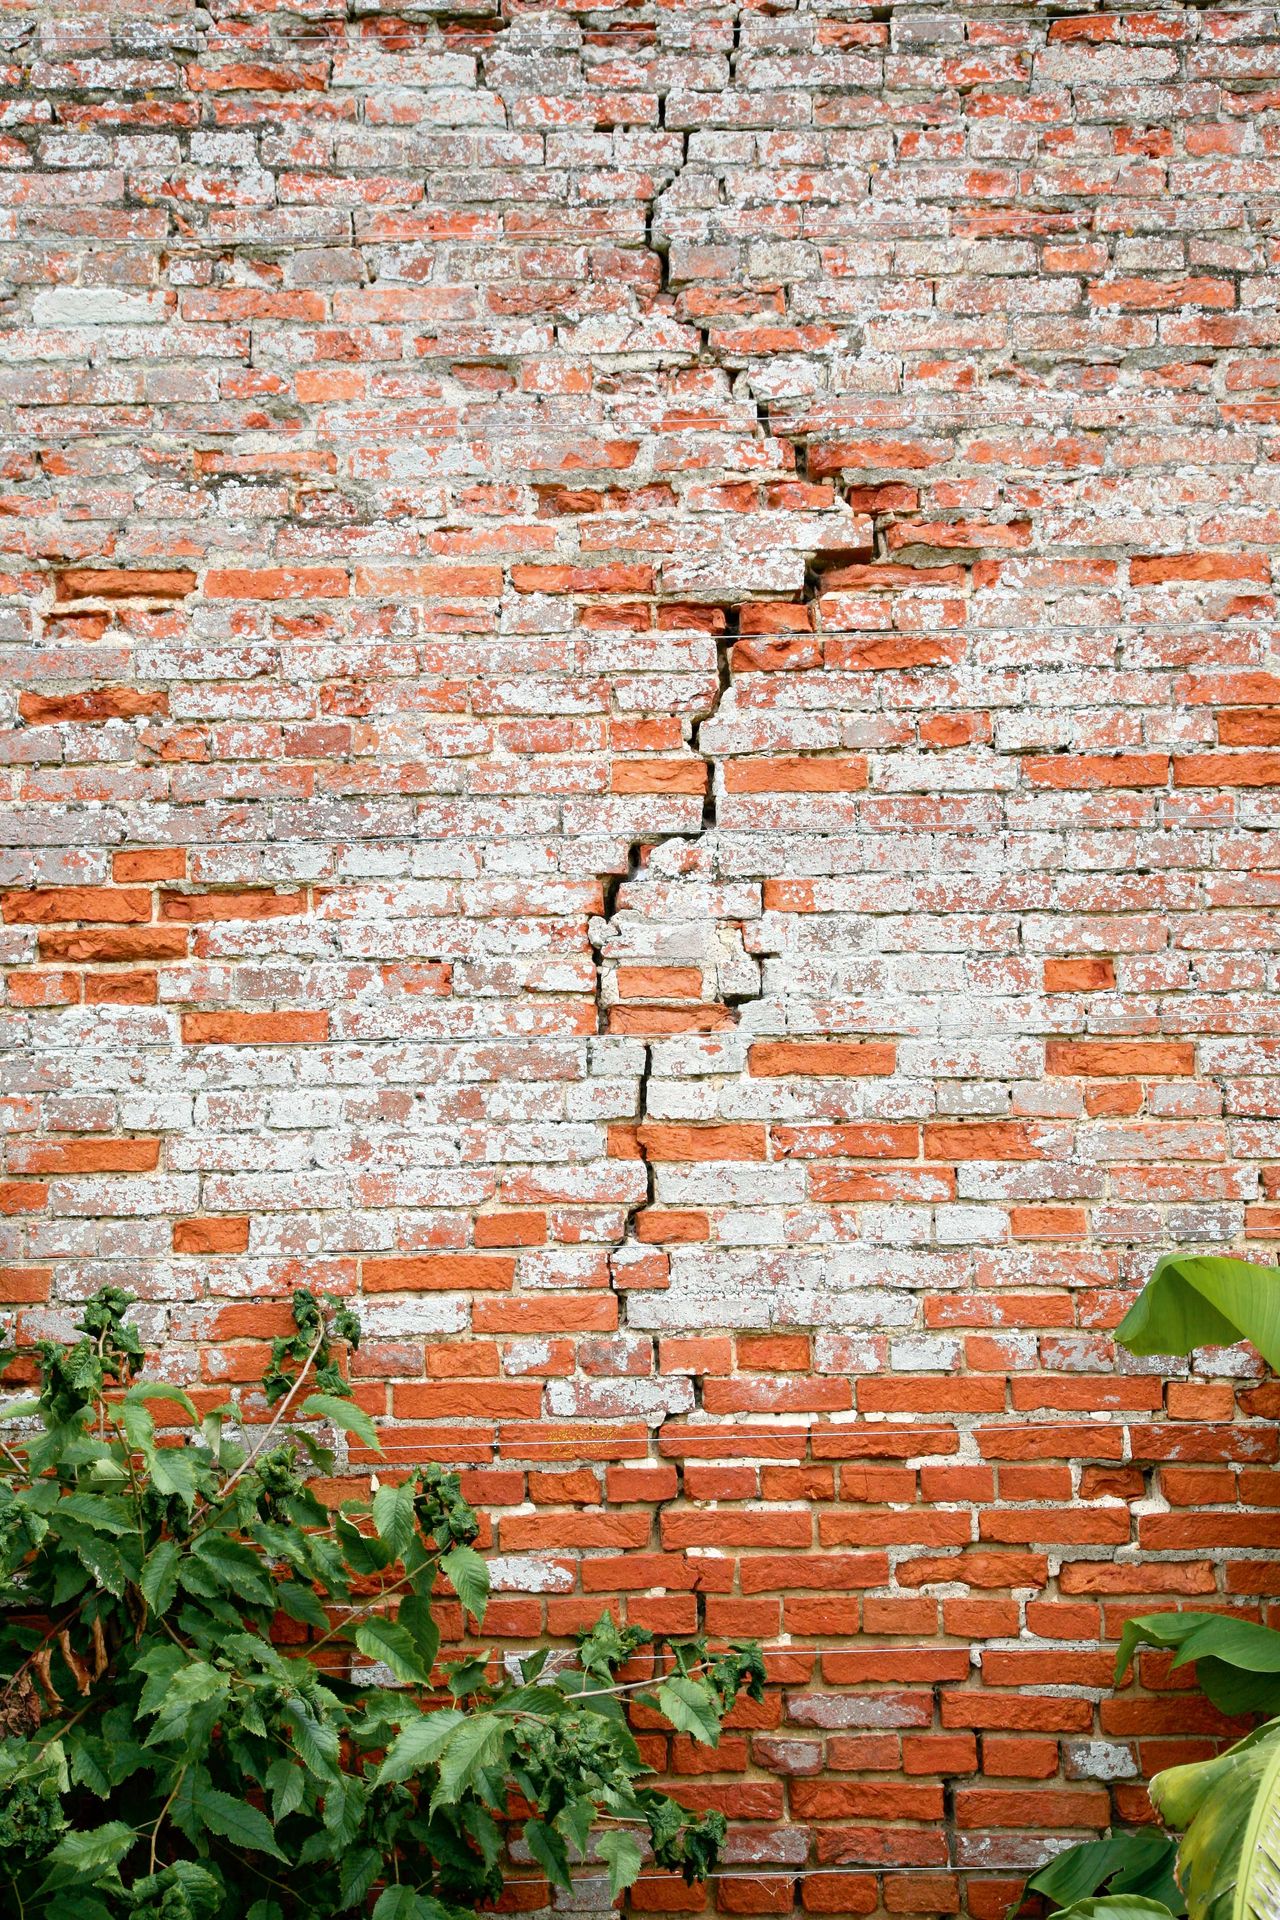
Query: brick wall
[[643, 720]]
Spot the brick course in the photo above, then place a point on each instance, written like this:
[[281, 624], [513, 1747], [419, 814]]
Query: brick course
[[641, 702]]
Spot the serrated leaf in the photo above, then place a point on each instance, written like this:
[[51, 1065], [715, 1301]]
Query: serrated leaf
[[359, 1871], [381, 1639], [315, 1741], [403, 1903], [471, 1748], [393, 1517], [144, 1390], [344, 1414], [621, 1853], [86, 1857], [419, 1744], [237, 1568], [159, 1578], [416, 1617], [100, 1558], [175, 1471], [296, 1598], [287, 1786], [468, 1575], [691, 1708], [549, 1850], [235, 1820]]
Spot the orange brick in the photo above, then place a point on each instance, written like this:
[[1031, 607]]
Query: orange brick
[[1084, 975], [659, 776], [114, 944], [253, 1029], [659, 983], [844, 1058], [218, 1233], [701, 1143], [1048, 1223], [22, 1196], [47, 989], [88, 709], [510, 1229], [797, 773], [24, 1286], [275, 583], [1116, 1058], [549, 1313], [440, 1272], [121, 583], [656, 1227], [121, 989], [256, 903], [46, 904], [55, 1157]]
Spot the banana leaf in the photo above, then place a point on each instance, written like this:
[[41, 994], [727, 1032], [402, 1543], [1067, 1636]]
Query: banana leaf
[[1139, 1863], [1114, 1906], [1229, 1857], [1237, 1661], [1205, 1300]]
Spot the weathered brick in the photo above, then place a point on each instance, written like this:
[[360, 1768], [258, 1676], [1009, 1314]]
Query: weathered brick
[[703, 870]]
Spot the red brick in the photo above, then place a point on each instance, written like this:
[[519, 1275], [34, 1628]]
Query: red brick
[[441, 1272], [51, 904], [215, 1234]]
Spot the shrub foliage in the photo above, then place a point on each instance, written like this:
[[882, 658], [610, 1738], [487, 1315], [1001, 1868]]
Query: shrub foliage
[[167, 1751]]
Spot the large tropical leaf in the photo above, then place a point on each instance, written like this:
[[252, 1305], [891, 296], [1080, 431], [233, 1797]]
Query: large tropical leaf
[[1237, 1661], [1205, 1300], [1139, 1863], [1229, 1808], [1115, 1906]]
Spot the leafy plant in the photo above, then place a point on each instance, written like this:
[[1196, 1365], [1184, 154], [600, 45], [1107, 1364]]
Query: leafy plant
[[1138, 1865], [186, 1732], [1226, 1866]]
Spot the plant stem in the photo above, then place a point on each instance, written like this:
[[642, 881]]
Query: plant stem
[[282, 1409], [155, 1831]]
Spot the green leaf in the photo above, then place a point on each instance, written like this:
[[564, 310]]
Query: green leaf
[[86, 1857], [415, 1617], [691, 1708], [1258, 1885], [471, 1748], [235, 1820], [549, 1850], [381, 1639], [403, 1903], [1115, 1906], [393, 1517], [468, 1575], [99, 1557], [419, 1744], [315, 1741], [297, 1599], [359, 1871], [157, 1390], [1237, 1661], [1225, 1805], [287, 1786], [19, 1410], [175, 1470], [159, 1580], [344, 1414], [1205, 1300], [237, 1568], [621, 1853], [1140, 1863]]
